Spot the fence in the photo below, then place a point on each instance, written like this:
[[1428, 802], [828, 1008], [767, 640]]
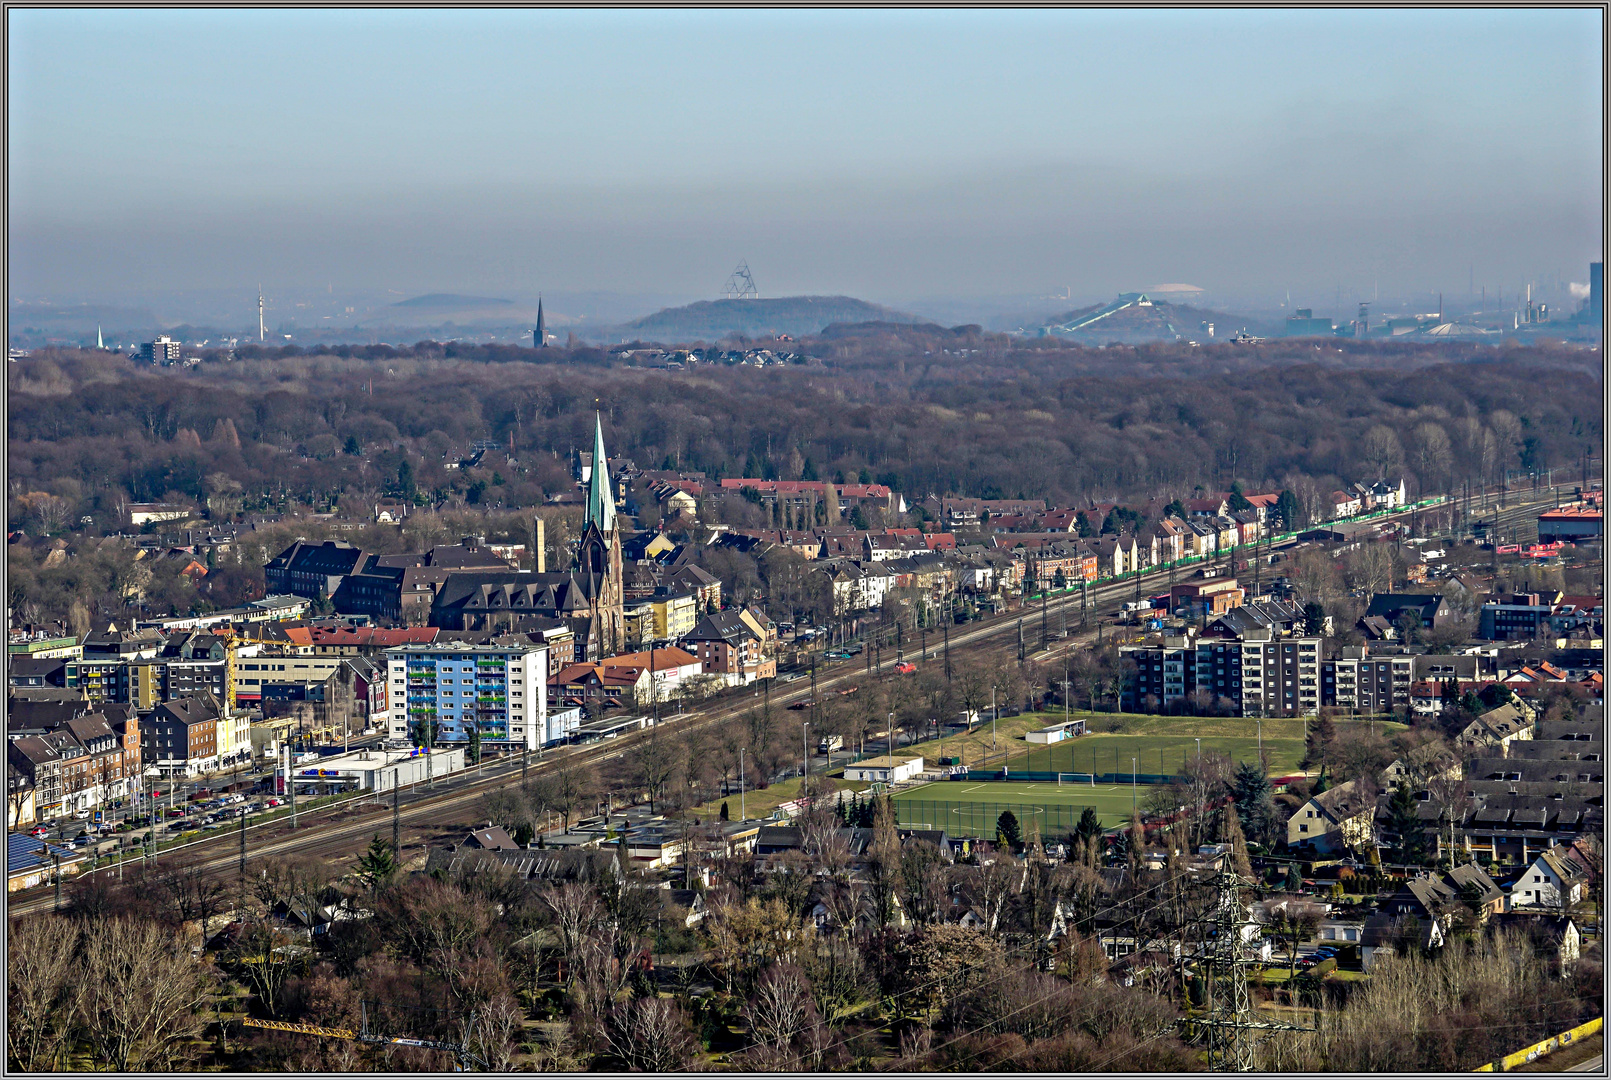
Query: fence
[[979, 819], [1051, 777]]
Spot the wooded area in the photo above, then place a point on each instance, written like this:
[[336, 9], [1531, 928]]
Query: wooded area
[[924, 412]]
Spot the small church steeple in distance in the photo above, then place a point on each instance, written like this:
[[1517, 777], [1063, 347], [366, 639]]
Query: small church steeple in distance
[[539, 336]]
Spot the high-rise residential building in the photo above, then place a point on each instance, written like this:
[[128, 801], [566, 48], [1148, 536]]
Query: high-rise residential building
[[164, 350], [442, 692], [1255, 673]]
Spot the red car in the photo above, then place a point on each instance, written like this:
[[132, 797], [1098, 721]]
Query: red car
[[40, 832], [905, 667]]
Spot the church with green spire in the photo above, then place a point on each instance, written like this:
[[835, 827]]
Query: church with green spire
[[598, 553]]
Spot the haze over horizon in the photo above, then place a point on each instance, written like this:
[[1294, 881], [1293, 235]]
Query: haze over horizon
[[892, 156]]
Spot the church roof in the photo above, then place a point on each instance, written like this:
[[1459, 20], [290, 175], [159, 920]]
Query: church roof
[[600, 502]]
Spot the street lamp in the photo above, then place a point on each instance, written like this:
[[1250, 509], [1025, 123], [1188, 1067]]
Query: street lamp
[[805, 758]]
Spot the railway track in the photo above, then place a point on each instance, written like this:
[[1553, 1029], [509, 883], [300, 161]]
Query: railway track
[[340, 832]]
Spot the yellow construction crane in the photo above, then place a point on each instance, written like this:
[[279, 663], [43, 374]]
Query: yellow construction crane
[[466, 1059]]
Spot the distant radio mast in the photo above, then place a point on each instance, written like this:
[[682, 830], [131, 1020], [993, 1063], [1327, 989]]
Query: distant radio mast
[[262, 330], [740, 285]]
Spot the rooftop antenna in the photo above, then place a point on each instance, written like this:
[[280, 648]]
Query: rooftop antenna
[[740, 285], [262, 331]]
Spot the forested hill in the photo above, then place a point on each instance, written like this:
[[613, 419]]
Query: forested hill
[[923, 410], [712, 320]]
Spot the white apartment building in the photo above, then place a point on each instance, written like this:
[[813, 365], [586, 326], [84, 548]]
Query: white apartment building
[[500, 691]]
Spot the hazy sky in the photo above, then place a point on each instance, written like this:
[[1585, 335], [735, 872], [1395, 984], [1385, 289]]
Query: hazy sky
[[881, 154]]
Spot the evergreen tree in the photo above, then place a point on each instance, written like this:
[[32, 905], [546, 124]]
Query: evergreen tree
[[1314, 618], [1088, 826], [723, 814], [473, 755], [1404, 822], [1294, 878], [378, 865], [1082, 524], [1008, 832], [1238, 502], [1288, 510], [1255, 804]]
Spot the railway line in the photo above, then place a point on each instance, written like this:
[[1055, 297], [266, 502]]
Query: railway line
[[343, 828]]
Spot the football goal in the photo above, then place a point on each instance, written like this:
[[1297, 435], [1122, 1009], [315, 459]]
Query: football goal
[[1082, 778]]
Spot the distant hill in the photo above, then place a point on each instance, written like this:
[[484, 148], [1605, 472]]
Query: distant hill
[[712, 320], [1130, 319], [443, 302]]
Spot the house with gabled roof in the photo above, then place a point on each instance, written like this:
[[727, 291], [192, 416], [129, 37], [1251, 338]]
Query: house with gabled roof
[[1337, 818], [1554, 881]]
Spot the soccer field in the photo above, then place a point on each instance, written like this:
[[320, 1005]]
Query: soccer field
[[971, 809], [1101, 752]]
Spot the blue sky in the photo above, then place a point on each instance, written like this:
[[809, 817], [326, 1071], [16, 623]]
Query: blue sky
[[883, 154]]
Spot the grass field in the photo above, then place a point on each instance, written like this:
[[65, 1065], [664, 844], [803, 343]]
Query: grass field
[[1160, 744], [971, 809], [760, 804]]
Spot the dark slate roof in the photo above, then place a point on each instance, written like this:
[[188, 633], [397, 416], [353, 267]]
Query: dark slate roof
[[188, 710], [1388, 605], [722, 626], [516, 590], [331, 558]]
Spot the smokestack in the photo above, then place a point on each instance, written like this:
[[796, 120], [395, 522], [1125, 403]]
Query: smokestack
[[540, 556]]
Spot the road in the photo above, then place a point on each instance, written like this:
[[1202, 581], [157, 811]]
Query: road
[[337, 831]]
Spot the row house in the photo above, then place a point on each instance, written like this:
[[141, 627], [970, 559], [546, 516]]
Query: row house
[[1342, 504], [1380, 495], [963, 513], [74, 768], [856, 586], [895, 544], [929, 575], [594, 687], [180, 737], [728, 646], [663, 671], [1059, 566]]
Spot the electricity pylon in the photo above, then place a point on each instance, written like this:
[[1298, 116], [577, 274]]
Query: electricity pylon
[[1228, 1022]]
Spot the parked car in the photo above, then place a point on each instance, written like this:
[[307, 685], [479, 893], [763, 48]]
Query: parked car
[[906, 667], [38, 832]]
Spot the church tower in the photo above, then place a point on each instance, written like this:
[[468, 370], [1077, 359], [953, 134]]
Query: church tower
[[539, 336], [598, 553]]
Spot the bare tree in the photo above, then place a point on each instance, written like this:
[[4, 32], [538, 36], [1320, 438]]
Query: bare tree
[[650, 1034], [780, 1009], [44, 992], [145, 993]]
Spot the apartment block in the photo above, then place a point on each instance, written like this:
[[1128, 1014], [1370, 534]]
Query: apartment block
[[499, 691]]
